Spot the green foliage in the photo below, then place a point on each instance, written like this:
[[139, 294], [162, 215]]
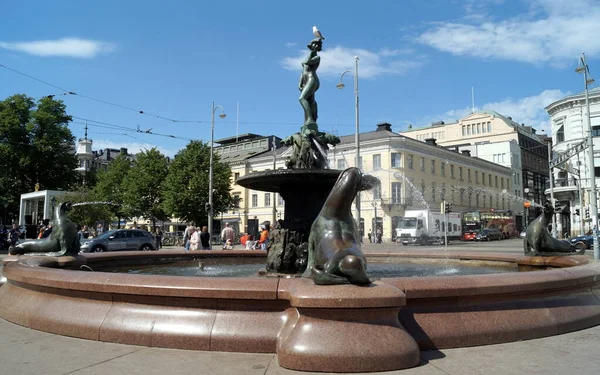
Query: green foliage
[[90, 213], [186, 186], [144, 185], [110, 186], [35, 147]]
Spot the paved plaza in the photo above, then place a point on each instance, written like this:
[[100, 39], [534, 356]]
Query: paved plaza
[[26, 351]]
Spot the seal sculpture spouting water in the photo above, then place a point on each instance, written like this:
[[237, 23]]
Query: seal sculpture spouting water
[[334, 254], [62, 241], [539, 241]]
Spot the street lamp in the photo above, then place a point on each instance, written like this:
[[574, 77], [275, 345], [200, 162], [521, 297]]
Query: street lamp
[[210, 173], [340, 86], [587, 80]]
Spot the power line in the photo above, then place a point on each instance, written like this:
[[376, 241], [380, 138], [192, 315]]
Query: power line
[[69, 92]]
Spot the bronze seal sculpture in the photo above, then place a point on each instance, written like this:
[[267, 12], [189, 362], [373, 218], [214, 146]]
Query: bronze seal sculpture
[[62, 241], [539, 241], [334, 254]]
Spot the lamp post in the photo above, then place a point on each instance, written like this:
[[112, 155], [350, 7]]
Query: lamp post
[[583, 68], [210, 173], [340, 86]]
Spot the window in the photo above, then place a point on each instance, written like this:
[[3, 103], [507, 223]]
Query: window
[[377, 161], [396, 160], [433, 191], [423, 189], [489, 127], [267, 199], [501, 183], [478, 128], [489, 179], [443, 192], [443, 169], [377, 191], [396, 192], [451, 171], [254, 200], [477, 200], [460, 176], [476, 177], [432, 166], [341, 164], [422, 163], [483, 128], [485, 200], [482, 178], [462, 196], [496, 180], [468, 129], [469, 175], [464, 130], [409, 161], [236, 176]]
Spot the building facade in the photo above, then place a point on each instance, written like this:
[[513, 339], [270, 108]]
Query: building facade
[[413, 175], [498, 139], [568, 118]]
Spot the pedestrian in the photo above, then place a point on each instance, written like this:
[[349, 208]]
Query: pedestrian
[[159, 235], [13, 236], [83, 233], [379, 234], [205, 238], [263, 241], [369, 235], [227, 234], [194, 239], [186, 238]]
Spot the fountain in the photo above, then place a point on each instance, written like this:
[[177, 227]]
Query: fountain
[[376, 325]]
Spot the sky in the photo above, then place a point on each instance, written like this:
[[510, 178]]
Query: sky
[[419, 62]]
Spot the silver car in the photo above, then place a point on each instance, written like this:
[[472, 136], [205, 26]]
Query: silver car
[[117, 240]]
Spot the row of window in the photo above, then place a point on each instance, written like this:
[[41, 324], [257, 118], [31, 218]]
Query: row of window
[[266, 200], [476, 128], [397, 162], [437, 135]]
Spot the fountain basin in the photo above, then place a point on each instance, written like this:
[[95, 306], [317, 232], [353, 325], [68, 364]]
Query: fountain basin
[[341, 328]]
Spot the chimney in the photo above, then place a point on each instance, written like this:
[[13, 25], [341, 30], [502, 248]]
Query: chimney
[[430, 141], [384, 126], [466, 152]]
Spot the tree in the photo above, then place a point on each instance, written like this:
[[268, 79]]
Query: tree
[[87, 214], [186, 186], [110, 186], [35, 148], [144, 185]]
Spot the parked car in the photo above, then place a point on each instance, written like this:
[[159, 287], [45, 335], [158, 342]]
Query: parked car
[[117, 240], [489, 234], [587, 240], [469, 236]]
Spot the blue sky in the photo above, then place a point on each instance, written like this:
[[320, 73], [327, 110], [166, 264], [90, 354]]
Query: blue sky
[[418, 62]]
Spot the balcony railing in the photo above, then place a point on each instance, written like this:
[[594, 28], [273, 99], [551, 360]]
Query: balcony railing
[[563, 182]]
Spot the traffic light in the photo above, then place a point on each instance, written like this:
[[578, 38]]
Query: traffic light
[[207, 206], [448, 208], [587, 212], [557, 206], [577, 212]]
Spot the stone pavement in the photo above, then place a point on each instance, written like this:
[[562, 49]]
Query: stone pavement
[[25, 351]]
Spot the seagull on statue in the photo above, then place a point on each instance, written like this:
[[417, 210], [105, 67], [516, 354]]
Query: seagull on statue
[[317, 33]]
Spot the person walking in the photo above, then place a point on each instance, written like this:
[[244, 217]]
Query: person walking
[[263, 241], [186, 238], [194, 239], [227, 234], [205, 238]]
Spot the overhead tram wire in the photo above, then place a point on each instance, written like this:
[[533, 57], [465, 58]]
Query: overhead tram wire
[[100, 124], [69, 92]]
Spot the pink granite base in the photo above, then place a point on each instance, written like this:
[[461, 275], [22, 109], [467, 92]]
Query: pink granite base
[[340, 328]]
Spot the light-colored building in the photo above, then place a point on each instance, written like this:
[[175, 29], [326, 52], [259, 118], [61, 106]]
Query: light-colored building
[[498, 139], [568, 117], [413, 174]]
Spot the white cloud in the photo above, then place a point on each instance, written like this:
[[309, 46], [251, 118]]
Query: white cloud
[[290, 44], [337, 59], [132, 147], [528, 110], [67, 47], [553, 32]]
